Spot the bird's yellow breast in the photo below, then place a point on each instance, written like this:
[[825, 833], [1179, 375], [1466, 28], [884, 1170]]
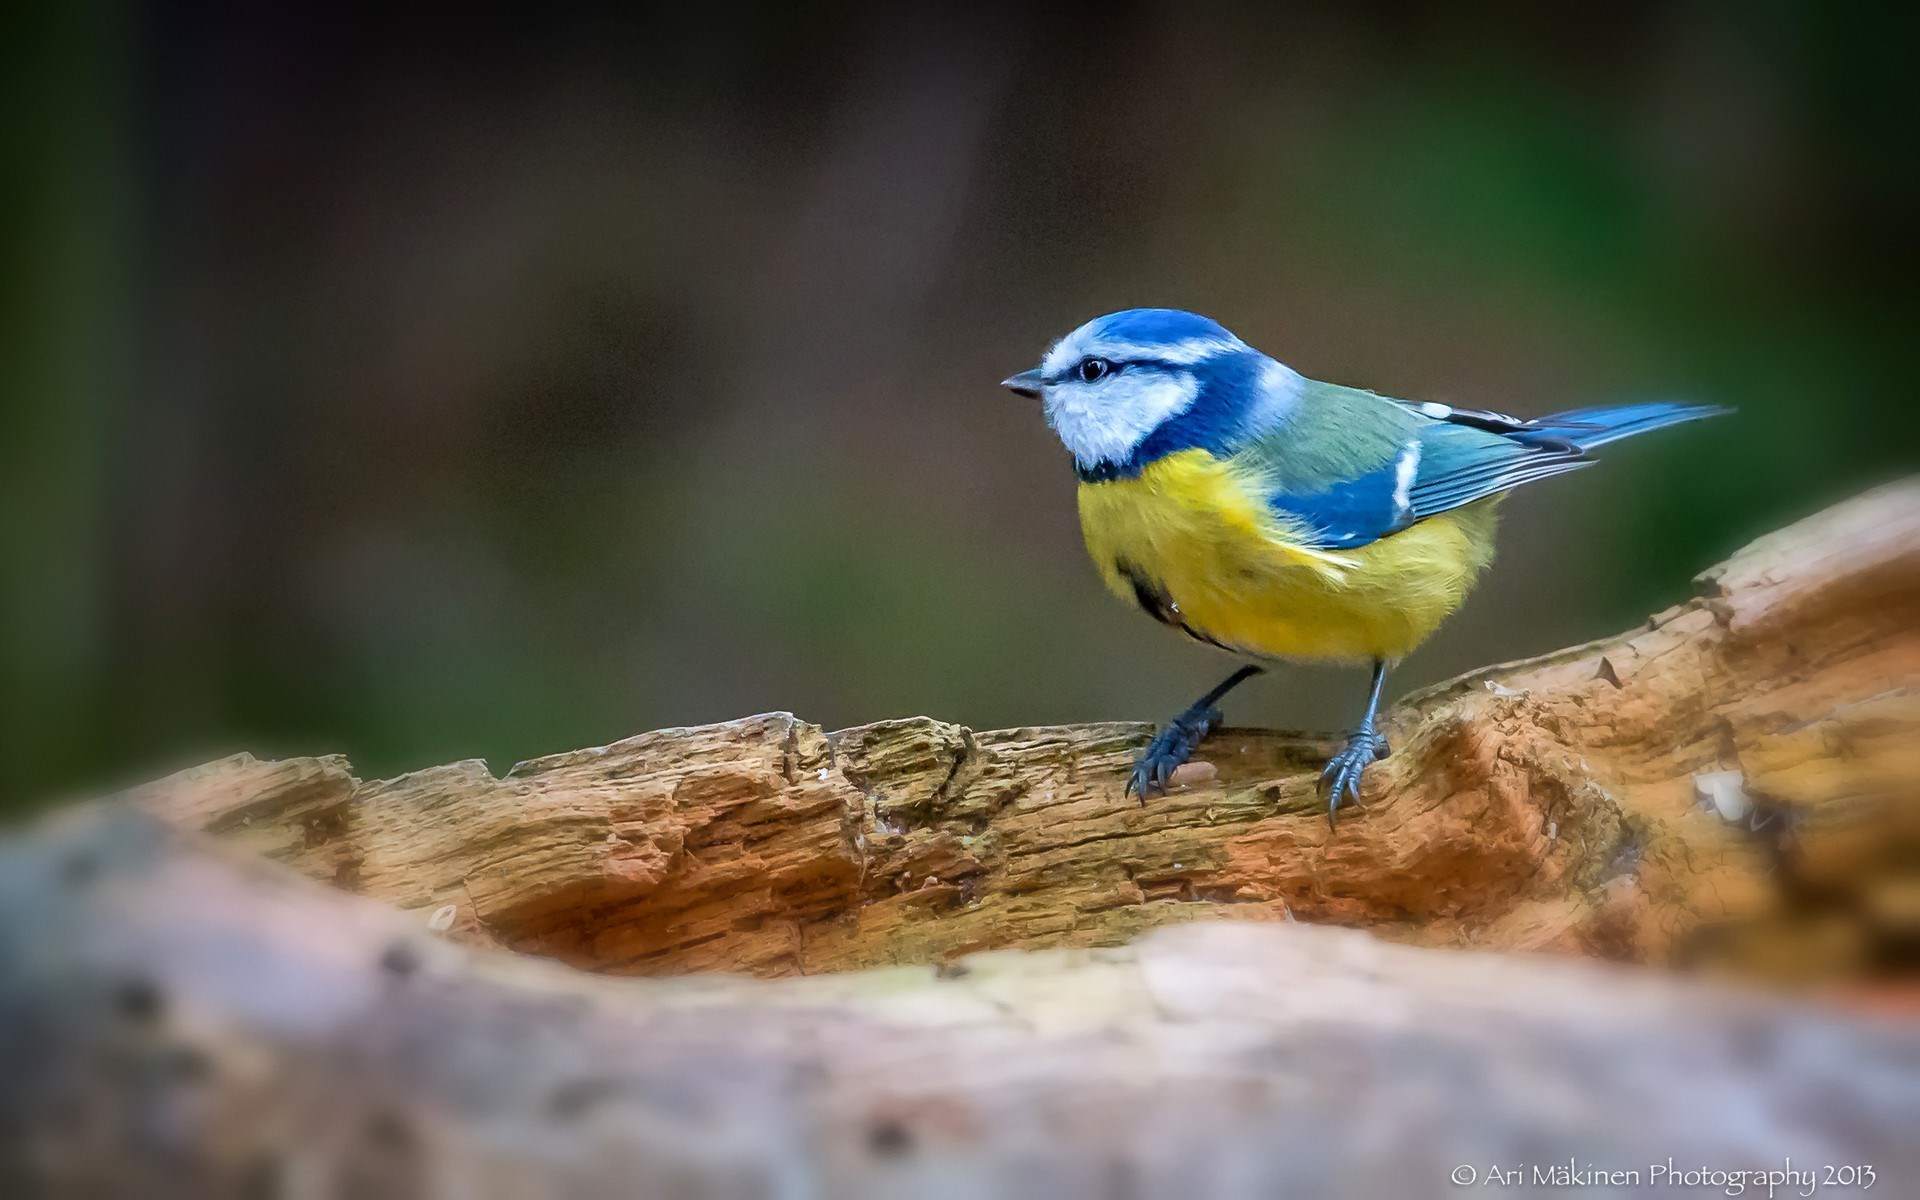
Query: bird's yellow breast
[[1192, 536]]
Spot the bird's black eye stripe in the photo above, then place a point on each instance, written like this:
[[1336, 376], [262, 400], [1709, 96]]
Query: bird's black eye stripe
[[1093, 370]]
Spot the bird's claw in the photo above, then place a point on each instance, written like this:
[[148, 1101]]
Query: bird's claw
[[1341, 777], [1172, 746]]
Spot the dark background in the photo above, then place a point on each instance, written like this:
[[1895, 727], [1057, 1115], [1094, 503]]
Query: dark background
[[448, 389]]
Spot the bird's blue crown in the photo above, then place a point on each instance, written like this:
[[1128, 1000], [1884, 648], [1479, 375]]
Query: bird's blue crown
[[1131, 387], [1159, 326]]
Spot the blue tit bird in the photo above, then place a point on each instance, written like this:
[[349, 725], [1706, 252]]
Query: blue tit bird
[[1277, 517]]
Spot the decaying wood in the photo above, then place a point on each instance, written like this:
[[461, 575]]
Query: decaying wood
[[184, 1020], [1734, 780]]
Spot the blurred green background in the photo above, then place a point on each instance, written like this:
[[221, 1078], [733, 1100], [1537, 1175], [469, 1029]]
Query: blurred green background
[[432, 388]]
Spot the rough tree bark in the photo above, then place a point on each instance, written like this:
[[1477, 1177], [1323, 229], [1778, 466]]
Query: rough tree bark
[[1733, 781], [180, 1016], [181, 1020]]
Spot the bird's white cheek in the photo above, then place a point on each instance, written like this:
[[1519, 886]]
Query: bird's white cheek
[[1104, 422]]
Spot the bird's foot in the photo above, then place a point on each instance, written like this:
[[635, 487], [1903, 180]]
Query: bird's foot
[[1341, 778], [1173, 745]]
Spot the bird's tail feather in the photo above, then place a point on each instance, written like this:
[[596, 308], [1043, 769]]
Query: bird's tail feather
[[1586, 428]]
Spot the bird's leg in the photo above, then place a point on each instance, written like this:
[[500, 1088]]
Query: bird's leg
[[1343, 771], [1177, 739]]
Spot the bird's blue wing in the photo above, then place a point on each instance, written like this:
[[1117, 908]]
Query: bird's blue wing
[[1460, 464], [1349, 513], [1408, 461], [1436, 466], [1463, 461]]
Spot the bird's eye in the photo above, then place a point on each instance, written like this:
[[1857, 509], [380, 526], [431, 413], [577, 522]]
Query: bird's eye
[[1093, 370]]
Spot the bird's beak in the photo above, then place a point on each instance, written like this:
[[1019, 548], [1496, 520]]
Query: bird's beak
[[1026, 383]]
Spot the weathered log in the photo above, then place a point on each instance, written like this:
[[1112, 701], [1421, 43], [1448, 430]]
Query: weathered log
[[178, 1019], [1735, 780]]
